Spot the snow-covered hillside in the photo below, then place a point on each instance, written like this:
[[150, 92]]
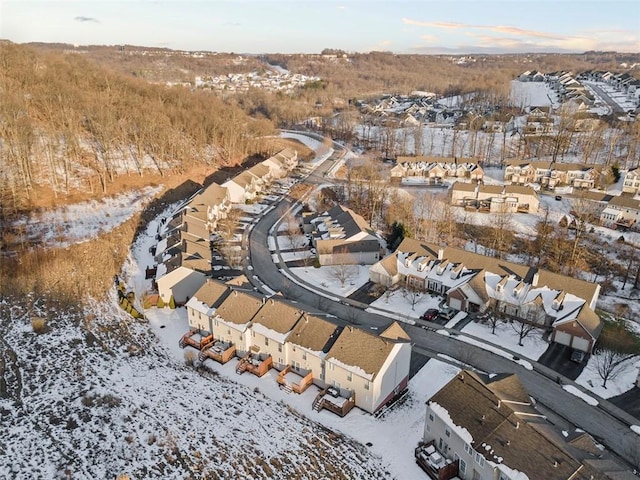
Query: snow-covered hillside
[[98, 396]]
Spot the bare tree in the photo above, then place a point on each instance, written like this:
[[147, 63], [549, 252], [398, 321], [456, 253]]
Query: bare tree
[[523, 330], [610, 364], [343, 273], [412, 294]]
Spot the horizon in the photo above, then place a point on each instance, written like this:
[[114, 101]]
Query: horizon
[[458, 27]]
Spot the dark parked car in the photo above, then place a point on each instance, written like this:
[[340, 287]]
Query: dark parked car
[[577, 356], [558, 197], [430, 314]]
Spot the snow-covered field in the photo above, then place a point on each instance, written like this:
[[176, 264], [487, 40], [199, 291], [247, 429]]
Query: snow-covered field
[[324, 278], [590, 379], [80, 222]]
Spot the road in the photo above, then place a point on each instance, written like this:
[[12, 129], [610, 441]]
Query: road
[[604, 96], [613, 433]]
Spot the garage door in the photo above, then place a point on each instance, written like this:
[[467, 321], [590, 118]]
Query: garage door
[[563, 338], [455, 303], [580, 343]]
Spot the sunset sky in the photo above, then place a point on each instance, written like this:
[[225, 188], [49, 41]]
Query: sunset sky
[[414, 26]]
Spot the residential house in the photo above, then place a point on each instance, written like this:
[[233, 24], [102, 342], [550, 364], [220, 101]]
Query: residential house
[[369, 368], [495, 198], [481, 427], [621, 213], [243, 187], [476, 283], [342, 237], [181, 276], [201, 307], [232, 319], [214, 200], [631, 182], [270, 328], [434, 170], [553, 174], [308, 344]]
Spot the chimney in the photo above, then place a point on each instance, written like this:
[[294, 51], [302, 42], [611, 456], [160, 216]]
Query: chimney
[[440, 254], [264, 300]]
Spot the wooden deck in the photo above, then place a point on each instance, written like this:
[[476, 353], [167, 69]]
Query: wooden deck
[[335, 401], [255, 363], [196, 339], [219, 351], [434, 463], [291, 381]]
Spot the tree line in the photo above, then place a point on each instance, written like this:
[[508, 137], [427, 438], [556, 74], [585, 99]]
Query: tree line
[[64, 119]]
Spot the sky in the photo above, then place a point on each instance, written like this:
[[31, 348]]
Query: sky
[[309, 26]]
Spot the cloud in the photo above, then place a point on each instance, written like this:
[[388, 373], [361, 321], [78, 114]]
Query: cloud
[[429, 38], [86, 19], [491, 28], [418, 23]]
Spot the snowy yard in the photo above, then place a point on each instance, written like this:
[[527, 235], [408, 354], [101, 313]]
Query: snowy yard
[[506, 337], [395, 301], [324, 278], [590, 379]]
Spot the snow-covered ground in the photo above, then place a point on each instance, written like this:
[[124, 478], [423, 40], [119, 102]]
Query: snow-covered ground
[[399, 302], [327, 278], [536, 94], [590, 379], [580, 394], [506, 337], [80, 222]]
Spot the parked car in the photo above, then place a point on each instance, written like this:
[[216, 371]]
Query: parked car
[[430, 314], [448, 312], [577, 356], [558, 197]]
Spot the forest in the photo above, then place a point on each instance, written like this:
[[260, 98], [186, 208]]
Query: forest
[[69, 124]]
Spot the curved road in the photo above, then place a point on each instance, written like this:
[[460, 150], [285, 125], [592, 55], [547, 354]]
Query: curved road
[[613, 433]]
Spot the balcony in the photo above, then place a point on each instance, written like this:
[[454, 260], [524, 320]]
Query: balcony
[[196, 338], [291, 381], [435, 464], [219, 351], [256, 363], [336, 400]]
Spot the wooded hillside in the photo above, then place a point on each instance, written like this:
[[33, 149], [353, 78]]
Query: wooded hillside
[[67, 123]]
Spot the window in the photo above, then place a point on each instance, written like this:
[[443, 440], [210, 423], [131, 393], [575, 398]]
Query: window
[[279, 347], [503, 476], [228, 331], [447, 432], [468, 449], [266, 342], [366, 384], [349, 377], [304, 355], [431, 417], [463, 466], [479, 459], [241, 337]]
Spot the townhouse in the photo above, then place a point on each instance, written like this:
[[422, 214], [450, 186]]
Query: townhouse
[[436, 169], [485, 427], [183, 253], [631, 183], [350, 366], [476, 283], [370, 369], [553, 174], [495, 198], [622, 212], [342, 237]]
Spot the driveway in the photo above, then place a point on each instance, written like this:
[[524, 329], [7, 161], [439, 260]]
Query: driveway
[[558, 357], [629, 402]]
